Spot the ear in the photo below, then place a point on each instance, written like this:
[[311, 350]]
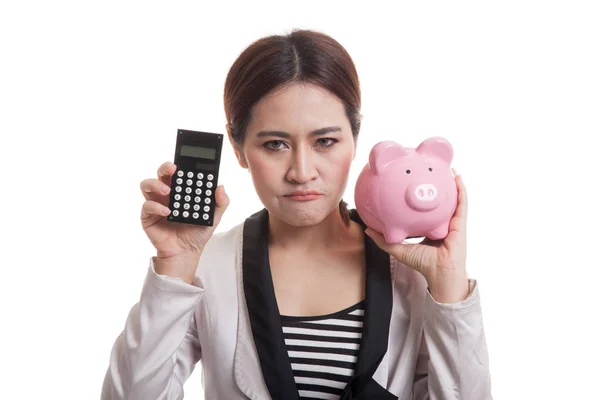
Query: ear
[[239, 154], [437, 146], [356, 141], [355, 144], [384, 153]]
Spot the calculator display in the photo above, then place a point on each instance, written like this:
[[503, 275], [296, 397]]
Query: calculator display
[[198, 152]]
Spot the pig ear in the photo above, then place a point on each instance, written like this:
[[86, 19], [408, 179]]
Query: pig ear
[[383, 153], [437, 146]]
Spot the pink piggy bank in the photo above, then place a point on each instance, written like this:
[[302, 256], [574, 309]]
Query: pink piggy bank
[[405, 192]]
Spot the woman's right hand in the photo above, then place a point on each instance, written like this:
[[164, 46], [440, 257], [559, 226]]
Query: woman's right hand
[[174, 240]]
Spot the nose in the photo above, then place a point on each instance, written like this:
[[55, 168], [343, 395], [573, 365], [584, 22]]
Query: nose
[[302, 168], [422, 196]]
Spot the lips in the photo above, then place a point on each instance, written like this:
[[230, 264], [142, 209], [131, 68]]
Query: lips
[[303, 193]]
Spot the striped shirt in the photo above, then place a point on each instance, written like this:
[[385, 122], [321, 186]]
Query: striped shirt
[[323, 350]]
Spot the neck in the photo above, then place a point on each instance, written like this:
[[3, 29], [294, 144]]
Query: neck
[[330, 233]]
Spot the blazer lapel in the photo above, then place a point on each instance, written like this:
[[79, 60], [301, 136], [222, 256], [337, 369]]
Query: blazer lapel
[[263, 313], [376, 324]]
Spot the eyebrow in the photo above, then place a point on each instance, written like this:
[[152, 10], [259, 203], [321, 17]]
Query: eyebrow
[[316, 132]]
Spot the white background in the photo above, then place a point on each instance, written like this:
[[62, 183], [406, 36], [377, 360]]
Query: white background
[[92, 93]]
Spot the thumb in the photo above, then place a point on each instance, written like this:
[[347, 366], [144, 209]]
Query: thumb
[[222, 202]]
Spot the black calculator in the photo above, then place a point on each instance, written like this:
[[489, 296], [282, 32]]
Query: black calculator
[[193, 185]]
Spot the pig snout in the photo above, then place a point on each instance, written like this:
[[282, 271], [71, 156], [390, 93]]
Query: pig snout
[[422, 196]]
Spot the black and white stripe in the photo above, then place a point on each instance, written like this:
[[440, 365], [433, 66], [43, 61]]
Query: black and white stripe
[[323, 350]]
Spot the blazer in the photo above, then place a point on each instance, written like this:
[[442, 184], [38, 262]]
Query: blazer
[[412, 347]]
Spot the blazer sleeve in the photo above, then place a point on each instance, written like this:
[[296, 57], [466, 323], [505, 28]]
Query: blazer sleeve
[[453, 358], [159, 347]]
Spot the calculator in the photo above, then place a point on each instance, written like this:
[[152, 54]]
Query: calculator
[[193, 185]]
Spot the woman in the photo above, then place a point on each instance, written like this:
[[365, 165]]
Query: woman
[[299, 301]]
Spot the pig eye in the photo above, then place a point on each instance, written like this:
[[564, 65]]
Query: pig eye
[[408, 171], [431, 169]]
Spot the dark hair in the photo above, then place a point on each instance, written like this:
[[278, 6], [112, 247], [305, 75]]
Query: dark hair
[[276, 61]]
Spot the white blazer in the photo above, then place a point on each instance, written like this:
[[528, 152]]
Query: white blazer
[[412, 348]]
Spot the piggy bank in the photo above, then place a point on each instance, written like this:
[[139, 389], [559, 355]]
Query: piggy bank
[[406, 192]]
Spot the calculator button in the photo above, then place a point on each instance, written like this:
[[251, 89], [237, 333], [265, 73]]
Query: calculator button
[[207, 200], [206, 208], [180, 173], [200, 175], [197, 199], [208, 192], [178, 189], [189, 182], [210, 177], [179, 181], [199, 183], [209, 184], [198, 191], [177, 196], [195, 215], [188, 190], [186, 214], [187, 198], [190, 174], [186, 206], [176, 204], [175, 213], [196, 207], [205, 216]]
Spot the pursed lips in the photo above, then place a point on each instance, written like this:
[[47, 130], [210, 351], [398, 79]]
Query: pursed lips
[[304, 195]]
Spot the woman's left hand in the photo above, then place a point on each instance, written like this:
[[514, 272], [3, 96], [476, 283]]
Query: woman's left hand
[[441, 262]]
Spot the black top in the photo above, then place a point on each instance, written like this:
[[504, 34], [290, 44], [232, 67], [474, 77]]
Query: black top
[[323, 350]]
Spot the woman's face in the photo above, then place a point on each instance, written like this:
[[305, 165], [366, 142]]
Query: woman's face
[[299, 139]]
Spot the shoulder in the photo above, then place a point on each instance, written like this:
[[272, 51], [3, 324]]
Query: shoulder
[[408, 284], [225, 238], [220, 251]]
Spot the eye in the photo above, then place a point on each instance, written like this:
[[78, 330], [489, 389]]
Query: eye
[[408, 171], [431, 169], [328, 142], [273, 145]]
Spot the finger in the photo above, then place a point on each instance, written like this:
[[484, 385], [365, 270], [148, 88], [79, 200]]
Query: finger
[[165, 172], [459, 220], [462, 197], [152, 209], [154, 189]]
